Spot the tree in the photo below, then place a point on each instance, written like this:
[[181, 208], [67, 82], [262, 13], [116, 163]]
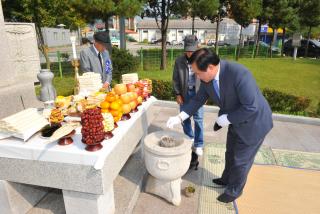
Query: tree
[[204, 9], [91, 10], [243, 11], [309, 14], [218, 17], [43, 13], [262, 19], [279, 13], [162, 11]]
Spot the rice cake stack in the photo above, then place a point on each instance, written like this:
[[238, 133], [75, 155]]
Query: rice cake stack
[[23, 124], [130, 78], [89, 82]]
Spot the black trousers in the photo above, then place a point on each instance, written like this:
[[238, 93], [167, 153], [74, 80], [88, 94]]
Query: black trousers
[[239, 158]]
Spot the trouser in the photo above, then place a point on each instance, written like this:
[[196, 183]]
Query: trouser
[[239, 158]]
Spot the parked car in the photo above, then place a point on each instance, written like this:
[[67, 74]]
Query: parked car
[[211, 42], [274, 49], [223, 43], [176, 43], [158, 41], [313, 49]]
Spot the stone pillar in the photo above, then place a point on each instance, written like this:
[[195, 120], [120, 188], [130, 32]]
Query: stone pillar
[[6, 69], [18, 198], [83, 203]]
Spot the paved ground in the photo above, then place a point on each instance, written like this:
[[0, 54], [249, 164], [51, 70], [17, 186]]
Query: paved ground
[[284, 135]]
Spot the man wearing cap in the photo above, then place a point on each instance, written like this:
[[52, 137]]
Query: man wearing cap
[[96, 58], [185, 85]]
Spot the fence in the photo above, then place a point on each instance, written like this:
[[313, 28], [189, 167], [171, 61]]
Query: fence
[[150, 59]]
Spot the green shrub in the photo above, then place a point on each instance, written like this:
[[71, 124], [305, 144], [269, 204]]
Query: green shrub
[[163, 90], [318, 109], [123, 62], [131, 39], [65, 56], [282, 102], [145, 41]]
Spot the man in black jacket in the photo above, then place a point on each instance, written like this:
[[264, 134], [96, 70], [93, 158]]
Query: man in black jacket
[[185, 85]]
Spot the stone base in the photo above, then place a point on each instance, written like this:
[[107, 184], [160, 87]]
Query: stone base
[[17, 98], [82, 203], [18, 198], [169, 190]]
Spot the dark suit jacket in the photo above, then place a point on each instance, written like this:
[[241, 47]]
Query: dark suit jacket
[[181, 75], [240, 98], [89, 62]]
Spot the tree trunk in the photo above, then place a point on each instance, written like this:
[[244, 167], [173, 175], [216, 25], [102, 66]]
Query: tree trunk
[[42, 47], [256, 52], [239, 45], [306, 51], [193, 18], [163, 64], [271, 43], [282, 42], [109, 46], [217, 33]]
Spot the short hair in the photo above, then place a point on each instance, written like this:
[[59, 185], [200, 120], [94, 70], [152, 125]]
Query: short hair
[[203, 58]]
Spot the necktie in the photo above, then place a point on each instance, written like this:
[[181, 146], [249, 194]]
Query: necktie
[[99, 56], [216, 88]]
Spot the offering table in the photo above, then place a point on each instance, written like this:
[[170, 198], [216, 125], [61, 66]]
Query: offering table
[[86, 178]]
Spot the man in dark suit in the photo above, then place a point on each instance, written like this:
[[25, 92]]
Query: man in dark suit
[[97, 59], [185, 85], [242, 108]]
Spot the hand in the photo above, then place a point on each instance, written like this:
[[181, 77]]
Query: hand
[[179, 99], [173, 121], [106, 85], [223, 120]]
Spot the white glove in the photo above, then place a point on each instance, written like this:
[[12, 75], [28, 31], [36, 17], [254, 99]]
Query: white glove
[[173, 121], [177, 119], [223, 120]]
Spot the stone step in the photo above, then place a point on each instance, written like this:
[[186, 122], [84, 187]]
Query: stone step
[[127, 188]]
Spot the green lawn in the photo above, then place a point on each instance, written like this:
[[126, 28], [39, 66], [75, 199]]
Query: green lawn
[[300, 77]]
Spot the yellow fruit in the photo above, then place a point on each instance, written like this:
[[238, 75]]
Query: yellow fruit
[[105, 105], [115, 105], [126, 108], [120, 89], [114, 113], [104, 110]]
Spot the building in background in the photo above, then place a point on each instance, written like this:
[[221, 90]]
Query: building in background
[[177, 30], [54, 37]]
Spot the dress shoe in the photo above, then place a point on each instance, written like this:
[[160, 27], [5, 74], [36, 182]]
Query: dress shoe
[[194, 161], [225, 198], [219, 182]]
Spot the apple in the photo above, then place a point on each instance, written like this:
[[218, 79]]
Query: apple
[[120, 89], [125, 98], [133, 104], [126, 108], [130, 87], [140, 99], [138, 91]]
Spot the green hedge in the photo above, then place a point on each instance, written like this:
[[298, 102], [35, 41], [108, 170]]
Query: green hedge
[[282, 102], [278, 101], [123, 62]]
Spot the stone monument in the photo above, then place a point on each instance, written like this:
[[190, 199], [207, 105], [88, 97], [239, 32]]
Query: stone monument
[[19, 64], [16, 93]]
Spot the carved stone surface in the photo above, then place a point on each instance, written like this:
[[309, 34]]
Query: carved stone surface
[[23, 50], [166, 164]]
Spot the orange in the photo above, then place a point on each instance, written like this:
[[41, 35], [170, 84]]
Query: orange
[[110, 98], [115, 105], [126, 108], [104, 105], [119, 101], [114, 113], [103, 110]]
